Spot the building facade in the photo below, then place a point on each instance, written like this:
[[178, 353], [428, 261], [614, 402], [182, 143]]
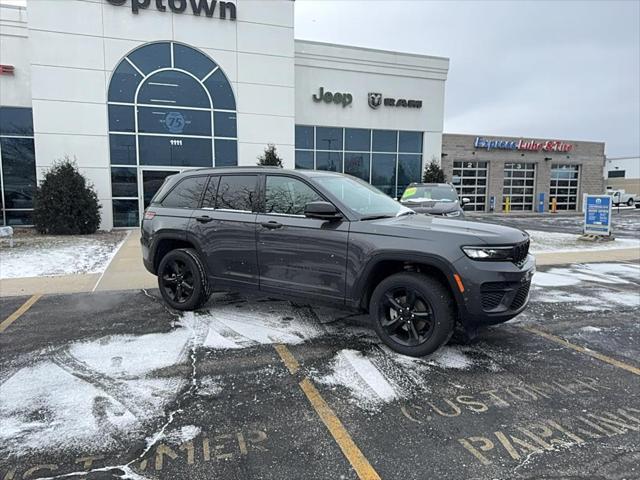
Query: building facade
[[623, 173], [135, 90], [522, 174]]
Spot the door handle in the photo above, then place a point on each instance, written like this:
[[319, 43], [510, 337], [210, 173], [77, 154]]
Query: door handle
[[271, 225], [204, 219]]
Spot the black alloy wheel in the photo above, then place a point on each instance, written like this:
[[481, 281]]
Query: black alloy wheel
[[182, 279], [406, 316], [177, 281]]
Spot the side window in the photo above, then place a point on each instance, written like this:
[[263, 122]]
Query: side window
[[236, 192], [209, 200], [288, 195], [186, 194]]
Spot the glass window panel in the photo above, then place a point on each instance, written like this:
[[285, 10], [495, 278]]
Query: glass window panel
[[16, 121], [236, 192], [19, 217], [152, 183], [171, 88], [220, 91], [226, 153], [357, 139], [357, 164], [224, 124], [304, 137], [124, 82], [410, 142], [328, 138], [18, 172], [125, 213], [186, 194], [175, 151], [123, 149], [304, 159], [409, 171], [121, 119], [174, 121], [191, 60], [124, 182], [288, 195], [331, 161], [383, 173], [385, 140], [209, 200], [152, 57]]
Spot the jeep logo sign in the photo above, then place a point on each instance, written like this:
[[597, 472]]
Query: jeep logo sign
[[198, 7], [329, 97]]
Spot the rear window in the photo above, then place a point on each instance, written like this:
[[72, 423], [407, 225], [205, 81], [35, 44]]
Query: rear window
[[186, 194], [236, 192]]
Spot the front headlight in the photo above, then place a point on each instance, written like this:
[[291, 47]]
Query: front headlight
[[489, 253], [455, 213]]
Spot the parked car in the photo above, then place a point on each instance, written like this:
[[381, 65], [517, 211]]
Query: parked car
[[433, 199], [323, 236]]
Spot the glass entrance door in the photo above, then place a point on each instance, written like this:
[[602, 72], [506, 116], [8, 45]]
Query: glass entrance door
[[152, 180]]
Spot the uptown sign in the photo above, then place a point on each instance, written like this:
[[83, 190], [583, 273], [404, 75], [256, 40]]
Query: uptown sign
[[198, 7], [523, 145]]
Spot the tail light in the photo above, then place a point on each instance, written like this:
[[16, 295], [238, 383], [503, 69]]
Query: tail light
[[149, 214]]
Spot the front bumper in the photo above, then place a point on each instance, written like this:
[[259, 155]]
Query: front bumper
[[494, 292]]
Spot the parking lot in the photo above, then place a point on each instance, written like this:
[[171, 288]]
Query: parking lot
[[106, 385]]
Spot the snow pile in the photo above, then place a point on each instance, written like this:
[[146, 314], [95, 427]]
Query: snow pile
[[546, 242], [58, 256]]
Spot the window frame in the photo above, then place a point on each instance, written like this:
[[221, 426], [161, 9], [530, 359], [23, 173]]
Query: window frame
[[263, 195]]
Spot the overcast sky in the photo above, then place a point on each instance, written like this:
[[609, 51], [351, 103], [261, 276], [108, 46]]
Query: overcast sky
[[558, 69]]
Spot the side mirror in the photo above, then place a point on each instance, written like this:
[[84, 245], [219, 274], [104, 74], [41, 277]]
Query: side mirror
[[322, 211], [464, 201]]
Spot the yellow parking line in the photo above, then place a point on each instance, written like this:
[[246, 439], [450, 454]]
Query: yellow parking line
[[586, 351], [358, 461], [15, 315]]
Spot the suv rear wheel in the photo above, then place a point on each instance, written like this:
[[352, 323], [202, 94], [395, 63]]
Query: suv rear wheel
[[182, 279], [412, 313]]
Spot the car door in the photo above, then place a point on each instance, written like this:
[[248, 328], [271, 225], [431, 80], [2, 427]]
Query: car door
[[298, 254], [225, 227]]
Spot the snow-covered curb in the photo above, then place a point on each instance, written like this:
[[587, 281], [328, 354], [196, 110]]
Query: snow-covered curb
[[552, 242]]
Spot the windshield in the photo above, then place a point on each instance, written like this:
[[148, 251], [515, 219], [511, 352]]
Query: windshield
[[361, 197], [434, 193]]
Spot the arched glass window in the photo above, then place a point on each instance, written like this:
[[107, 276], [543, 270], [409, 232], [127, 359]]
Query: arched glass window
[[171, 107]]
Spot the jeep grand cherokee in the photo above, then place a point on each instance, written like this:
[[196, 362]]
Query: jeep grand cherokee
[[324, 236]]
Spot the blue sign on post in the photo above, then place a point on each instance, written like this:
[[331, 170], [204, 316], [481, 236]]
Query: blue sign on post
[[541, 202], [597, 214]]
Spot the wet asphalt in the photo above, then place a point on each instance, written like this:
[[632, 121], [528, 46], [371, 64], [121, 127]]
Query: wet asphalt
[[511, 404]]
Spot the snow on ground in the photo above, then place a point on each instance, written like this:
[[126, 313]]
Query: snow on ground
[[546, 242], [47, 255]]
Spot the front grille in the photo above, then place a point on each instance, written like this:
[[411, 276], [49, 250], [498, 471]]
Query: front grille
[[521, 296], [520, 252]]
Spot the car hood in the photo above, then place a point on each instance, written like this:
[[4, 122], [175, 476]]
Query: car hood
[[430, 228], [434, 208]]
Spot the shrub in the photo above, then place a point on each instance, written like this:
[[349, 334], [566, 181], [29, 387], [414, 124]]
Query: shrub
[[270, 157], [65, 204], [433, 173]]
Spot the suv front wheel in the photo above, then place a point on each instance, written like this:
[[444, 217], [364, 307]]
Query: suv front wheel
[[412, 313], [182, 279]]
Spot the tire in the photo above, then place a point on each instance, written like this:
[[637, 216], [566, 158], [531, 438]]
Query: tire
[[434, 313], [182, 280], [630, 202]]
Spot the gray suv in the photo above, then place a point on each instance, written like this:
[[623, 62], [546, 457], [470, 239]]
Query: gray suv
[[322, 236], [433, 199]]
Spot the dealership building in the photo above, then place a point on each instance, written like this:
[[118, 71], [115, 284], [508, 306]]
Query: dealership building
[[135, 90]]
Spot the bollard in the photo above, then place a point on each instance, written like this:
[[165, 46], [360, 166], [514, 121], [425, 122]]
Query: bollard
[[554, 205], [507, 205]]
